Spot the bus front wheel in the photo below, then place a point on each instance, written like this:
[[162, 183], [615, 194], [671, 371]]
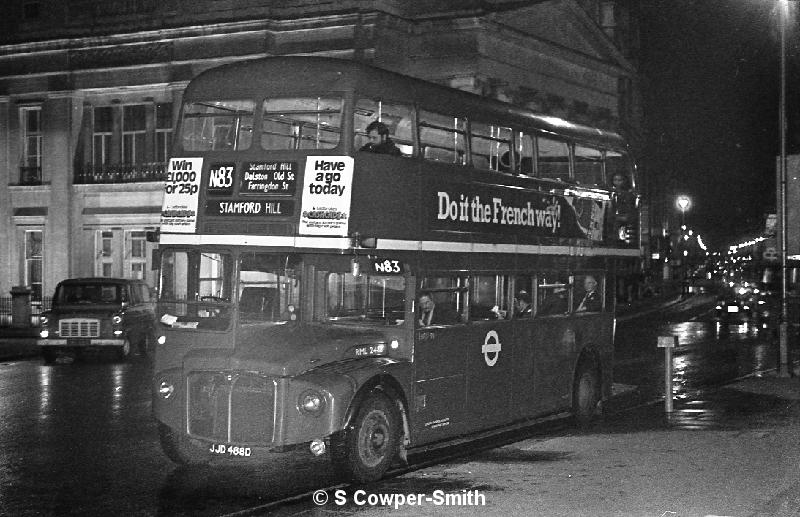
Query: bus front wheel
[[368, 447], [586, 393], [178, 449]]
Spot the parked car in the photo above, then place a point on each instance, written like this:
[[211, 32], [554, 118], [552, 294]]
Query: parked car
[[98, 313]]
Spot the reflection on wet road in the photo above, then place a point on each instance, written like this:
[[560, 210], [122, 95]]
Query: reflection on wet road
[[79, 439]]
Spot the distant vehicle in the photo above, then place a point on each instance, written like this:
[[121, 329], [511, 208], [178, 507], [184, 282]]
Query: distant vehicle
[[98, 313], [731, 307]]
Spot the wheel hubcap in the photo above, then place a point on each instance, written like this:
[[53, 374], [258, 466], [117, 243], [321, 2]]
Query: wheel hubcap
[[373, 438]]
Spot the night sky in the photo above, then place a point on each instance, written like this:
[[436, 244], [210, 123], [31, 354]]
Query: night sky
[[711, 94]]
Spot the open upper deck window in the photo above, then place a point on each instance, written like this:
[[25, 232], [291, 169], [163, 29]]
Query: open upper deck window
[[301, 123], [217, 125], [396, 117], [442, 137], [491, 148]]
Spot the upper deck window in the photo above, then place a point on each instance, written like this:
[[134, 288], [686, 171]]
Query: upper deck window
[[619, 163], [588, 166], [217, 125], [526, 151], [442, 137], [396, 117], [301, 123], [553, 159], [491, 146]]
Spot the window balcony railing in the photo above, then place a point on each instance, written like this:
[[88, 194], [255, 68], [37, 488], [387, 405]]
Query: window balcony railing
[[122, 173], [30, 175]]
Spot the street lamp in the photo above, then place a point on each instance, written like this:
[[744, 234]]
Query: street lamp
[[683, 202], [783, 328]]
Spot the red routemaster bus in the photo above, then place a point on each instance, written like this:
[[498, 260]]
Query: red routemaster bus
[[295, 266]]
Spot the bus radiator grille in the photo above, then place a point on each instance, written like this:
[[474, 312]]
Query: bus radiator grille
[[232, 407]]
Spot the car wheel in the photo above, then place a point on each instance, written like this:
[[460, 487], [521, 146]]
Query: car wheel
[[368, 447], [49, 354], [124, 351], [586, 393]]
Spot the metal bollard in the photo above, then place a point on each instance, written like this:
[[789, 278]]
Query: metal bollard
[[667, 343]]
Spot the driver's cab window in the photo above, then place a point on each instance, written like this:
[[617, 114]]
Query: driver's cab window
[[365, 298], [196, 289], [269, 288]]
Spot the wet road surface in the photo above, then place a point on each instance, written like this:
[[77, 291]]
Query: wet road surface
[[79, 439]]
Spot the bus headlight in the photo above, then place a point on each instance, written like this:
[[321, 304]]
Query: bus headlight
[[166, 389], [311, 403]]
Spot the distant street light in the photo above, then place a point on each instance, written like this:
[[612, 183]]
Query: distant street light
[[683, 203]]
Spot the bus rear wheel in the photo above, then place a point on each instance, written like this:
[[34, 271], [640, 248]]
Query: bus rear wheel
[[369, 446], [586, 393], [178, 449]]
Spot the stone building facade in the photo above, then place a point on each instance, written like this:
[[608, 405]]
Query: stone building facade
[[90, 91]]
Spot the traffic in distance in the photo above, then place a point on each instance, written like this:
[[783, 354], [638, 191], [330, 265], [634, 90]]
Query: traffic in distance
[[362, 264]]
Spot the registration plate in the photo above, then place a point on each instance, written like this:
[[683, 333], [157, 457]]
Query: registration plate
[[733, 308], [229, 450], [78, 341]]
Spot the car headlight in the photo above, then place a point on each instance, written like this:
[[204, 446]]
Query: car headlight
[[116, 319], [44, 320], [311, 403]]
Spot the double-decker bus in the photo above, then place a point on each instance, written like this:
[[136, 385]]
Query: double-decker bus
[[295, 266]]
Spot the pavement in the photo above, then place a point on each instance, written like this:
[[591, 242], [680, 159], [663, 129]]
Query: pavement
[[18, 343], [674, 469]]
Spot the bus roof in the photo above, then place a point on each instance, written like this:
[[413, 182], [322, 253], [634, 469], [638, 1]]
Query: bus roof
[[306, 75]]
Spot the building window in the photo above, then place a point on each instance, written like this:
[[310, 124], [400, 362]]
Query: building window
[[608, 20], [136, 254], [31, 124], [33, 262], [163, 131], [104, 262], [134, 134], [103, 130]]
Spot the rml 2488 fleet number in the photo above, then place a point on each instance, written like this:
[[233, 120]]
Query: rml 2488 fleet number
[[230, 450]]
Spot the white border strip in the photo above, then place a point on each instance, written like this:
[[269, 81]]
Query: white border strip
[[343, 243]]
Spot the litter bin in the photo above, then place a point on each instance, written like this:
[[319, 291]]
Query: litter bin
[[20, 306]]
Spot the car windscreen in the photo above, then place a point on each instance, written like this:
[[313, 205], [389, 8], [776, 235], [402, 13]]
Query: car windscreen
[[71, 294]]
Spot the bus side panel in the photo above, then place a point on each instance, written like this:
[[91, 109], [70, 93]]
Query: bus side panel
[[439, 403], [490, 350], [551, 350]]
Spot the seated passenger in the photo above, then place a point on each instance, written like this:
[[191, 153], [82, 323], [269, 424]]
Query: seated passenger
[[591, 301], [555, 303], [522, 305], [623, 199], [432, 314], [379, 141]]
